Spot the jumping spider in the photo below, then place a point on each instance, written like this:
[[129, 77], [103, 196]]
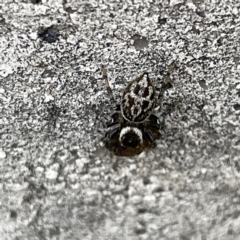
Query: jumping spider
[[133, 127]]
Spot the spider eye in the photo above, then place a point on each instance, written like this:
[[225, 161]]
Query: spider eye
[[130, 137]]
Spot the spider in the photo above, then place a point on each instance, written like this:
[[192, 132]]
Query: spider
[[133, 127]]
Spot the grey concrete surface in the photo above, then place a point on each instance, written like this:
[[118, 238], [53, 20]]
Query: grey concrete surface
[[57, 181]]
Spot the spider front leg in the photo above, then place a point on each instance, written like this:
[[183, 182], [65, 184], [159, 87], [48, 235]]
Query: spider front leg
[[166, 80], [109, 90], [113, 133], [114, 119]]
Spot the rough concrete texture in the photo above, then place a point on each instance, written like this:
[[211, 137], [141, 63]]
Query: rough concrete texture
[[57, 180]]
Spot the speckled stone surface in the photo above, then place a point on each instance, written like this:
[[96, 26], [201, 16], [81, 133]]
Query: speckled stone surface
[[57, 181]]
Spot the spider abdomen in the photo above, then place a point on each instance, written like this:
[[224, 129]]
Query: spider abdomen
[[138, 99]]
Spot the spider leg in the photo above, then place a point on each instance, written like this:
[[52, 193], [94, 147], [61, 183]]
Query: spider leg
[[110, 134], [166, 80], [115, 120], [151, 138], [109, 90], [154, 121], [113, 133], [171, 69]]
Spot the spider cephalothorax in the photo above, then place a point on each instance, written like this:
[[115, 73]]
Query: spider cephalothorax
[[133, 127]]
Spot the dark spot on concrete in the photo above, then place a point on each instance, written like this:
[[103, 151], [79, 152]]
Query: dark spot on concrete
[[158, 189], [200, 13], [2, 20], [49, 35], [47, 73], [146, 181], [54, 231], [140, 42], [220, 42], [108, 44], [236, 214], [236, 107], [162, 20], [140, 230], [237, 165], [236, 59], [111, 15], [13, 214], [195, 30], [184, 237], [28, 198], [230, 231], [70, 10], [36, 1], [142, 210], [202, 83]]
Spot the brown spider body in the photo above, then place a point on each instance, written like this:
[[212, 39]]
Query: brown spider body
[[133, 127]]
